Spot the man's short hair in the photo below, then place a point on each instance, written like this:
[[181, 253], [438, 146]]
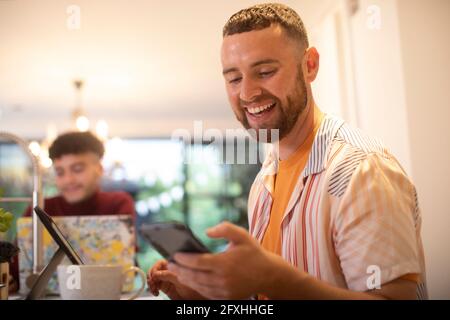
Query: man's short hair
[[262, 16], [76, 143]]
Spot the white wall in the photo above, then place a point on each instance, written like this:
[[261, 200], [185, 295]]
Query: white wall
[[334, 87], [328, 87], [379, 77], [361, 76], [425, 47]]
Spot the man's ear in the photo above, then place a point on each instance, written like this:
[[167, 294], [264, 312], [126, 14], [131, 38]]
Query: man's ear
[[311, 62]]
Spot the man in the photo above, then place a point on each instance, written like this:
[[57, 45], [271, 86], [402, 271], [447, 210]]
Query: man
[[78, 170], [76, 160], [332, 214]]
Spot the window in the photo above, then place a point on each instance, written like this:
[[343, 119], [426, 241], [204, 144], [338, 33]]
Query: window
[[166, 185], [200, 191]]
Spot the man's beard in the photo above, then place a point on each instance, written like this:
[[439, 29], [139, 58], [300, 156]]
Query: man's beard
[[289, 114]]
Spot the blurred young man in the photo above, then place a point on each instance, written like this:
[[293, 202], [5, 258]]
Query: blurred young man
[[78, 170], [76, 160], [332, 215]]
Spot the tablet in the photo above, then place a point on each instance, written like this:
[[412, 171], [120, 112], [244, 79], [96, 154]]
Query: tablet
[[56, 234], [40, 283], [171, 237]]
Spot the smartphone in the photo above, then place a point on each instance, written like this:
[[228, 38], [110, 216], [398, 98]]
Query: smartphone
[[169, 238]]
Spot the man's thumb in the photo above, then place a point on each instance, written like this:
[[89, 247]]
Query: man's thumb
[[229, 231]]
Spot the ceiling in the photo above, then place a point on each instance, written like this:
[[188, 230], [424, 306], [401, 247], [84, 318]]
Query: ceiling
[[149, 66]]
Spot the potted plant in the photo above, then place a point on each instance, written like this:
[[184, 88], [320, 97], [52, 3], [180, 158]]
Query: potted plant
[[7, 252]]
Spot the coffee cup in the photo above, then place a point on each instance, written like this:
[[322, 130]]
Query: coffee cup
[[95, 282]]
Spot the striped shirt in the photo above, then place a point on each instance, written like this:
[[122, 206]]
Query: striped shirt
[[353, 219]]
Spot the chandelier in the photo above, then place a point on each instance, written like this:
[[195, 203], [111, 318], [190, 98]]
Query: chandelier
[[79, 122]]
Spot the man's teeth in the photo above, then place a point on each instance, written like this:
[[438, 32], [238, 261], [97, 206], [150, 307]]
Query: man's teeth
[[260, 109]]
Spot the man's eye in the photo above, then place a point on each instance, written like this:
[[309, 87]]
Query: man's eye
[[266, 73], [78, 169], [235, 80]]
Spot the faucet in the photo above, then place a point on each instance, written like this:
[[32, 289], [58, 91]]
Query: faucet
[[36, 199]]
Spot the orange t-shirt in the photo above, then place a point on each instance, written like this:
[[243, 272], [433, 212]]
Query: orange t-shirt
[[285, 180]]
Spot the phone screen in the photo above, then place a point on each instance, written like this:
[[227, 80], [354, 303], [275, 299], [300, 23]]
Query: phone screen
[[171, 237]]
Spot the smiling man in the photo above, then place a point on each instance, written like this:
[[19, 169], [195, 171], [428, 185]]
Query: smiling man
[[332, 214]]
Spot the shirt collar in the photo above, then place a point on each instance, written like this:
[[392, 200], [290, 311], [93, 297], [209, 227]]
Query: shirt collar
[[319, 151]]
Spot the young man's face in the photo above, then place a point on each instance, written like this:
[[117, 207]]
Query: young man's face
[[264, 79], [77, 176]]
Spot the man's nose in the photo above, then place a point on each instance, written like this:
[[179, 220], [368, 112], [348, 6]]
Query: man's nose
[[249, 90], [67, 178]]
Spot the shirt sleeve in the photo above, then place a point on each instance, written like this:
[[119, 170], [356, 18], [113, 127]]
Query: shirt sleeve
[[375, 229]]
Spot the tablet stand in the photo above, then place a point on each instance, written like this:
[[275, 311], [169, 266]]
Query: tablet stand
[[38, 289]]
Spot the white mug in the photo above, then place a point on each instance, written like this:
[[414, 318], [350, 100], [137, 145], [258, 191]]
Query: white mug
[[95, 282]]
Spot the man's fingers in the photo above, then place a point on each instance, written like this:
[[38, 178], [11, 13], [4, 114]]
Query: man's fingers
[[166, 287], [156, 276], [154, 286], [190, 277], [163, 280], [229, 231], [204, 261], [165, 276], [159, 265]]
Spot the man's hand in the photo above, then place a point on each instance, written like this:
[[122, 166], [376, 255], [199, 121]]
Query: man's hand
[[237, 273], [159, 278], [245, 269]]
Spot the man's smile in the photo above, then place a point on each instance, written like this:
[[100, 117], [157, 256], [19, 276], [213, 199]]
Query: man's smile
[[258, 113], [260, 109]]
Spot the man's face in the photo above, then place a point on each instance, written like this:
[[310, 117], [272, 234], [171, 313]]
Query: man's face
[[264, 79], [78, 176]]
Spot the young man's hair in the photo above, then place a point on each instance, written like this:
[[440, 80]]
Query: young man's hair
[[76, 143], [262, 16]]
